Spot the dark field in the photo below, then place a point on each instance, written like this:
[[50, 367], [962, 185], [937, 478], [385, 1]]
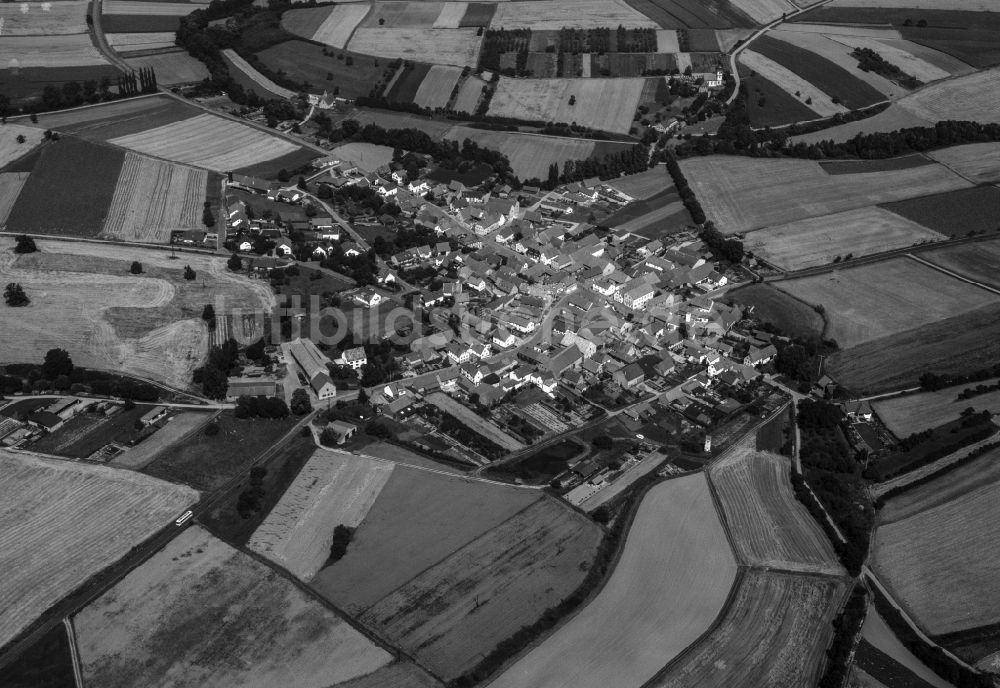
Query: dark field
[[119, 118], [779, 107], [955, 213], [630, 64], [478, 14], [304, 22], [303, 61], [789, 315], [702, 41], [956, 345], [679, 14], [771, 436], [46, 664], [29, 82], [140, 23], [269, 169], [55, 201], [885, 669], [979, 260], [904, 162], [407, 84], [542, 65], [822, 73]]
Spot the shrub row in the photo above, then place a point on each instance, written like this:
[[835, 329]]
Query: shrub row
[[685, 192]]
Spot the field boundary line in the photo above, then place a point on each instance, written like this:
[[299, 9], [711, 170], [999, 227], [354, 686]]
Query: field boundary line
[[956, 275], [73, 651]]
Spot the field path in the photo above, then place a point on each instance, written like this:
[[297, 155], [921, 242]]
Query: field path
[[74, 653]]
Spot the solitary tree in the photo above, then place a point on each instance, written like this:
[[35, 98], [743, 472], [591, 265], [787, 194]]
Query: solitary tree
[[136, 268], [57, 362], [189, 274], [14, 295], [20, 138], [24, 244], [208, 315], [235, 263]]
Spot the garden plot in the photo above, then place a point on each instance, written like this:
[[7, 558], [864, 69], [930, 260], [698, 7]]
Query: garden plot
[[819, 240], [602, 104], [436, 88], [836, 49], [331, 489], [439, 46], [897, 55], [99, 514], [791, 83], [451, 15], [978, 161], [751, 193], [581, 14], [201, 613], [154, 197], [43, 18], [917, 412], [974, 97], [530, 156], [208, 141], [870, 302], [23, 52], [123, 42], [10, 187], [10, 149], [337, 28], [669, 586]]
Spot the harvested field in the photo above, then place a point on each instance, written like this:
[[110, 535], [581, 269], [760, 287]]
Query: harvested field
[[839, 53], [473, 421], [339, 24], [436, 88], [208, 141], [973, 97], [681, 14], [10, 149], [530, 155], [154, 197], [179, 427], [940, 561], [874, 301], [141, 41], [117, 118], [791, 316], [455, 612], [22, 52], [138, 8], [668, 587], [752, 193], [877, 632], [43, 18], [764, 11], [331, 489], [979, 161], [822, 105], [582, 14], [10, 187], [368, 156], [47, 552], [440, 46], [251, 79], [979, 261], [916, 412], [642, 185], [955, 213], [230, 620], [451, 15], [419, 518], [893, 118], [787, 651], [469, 94], [603, 104], [768, 525], [306, 62], [769, 104], [819, 240]]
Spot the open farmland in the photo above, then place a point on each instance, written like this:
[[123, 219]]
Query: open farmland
[[440, 46], [419, 518], [873, 301], [21, 52], [642, 185], [10, 187], [117, 118], [941, 561], [898, 54], [10, 149], [956, 213], [790, 315], [436, 88], [44, 18], [973, 97], [680, 14], [251, 79], [669, 585], [154, 197], [174, 67], [141, 41], [407, 15], [821, 103], [582, 14], [980, 161], [138, 8], [750, 193], [602, 104], [768, 525], [764, 11], [306, 62], [529, 155], [774, 633], [877, 632], [473, 421], [893, 118], [769, 104], [452, 14], [229, 619], [331, 489], [330, 25], [819, 240], [450, 615], [208, 141], [46, 552], [978, 261], [916, 412], [828, 47]]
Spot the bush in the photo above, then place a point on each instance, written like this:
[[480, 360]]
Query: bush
[[14, 295], [341, 539], [136, 268]]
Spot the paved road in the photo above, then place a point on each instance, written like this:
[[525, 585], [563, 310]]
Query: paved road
[[74, 655]]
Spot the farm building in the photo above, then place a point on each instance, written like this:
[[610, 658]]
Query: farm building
[[153, 415], [251, 387], [345, 431], [355, 358], [313, 364], [46, 421]]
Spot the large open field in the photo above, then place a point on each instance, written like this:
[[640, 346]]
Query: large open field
[[530, 155], [791, 316], [668, 587], [441, 46], [455, 612], [764, 11], [604, 104], [306, 62], [818, 240], [768, 525], [979, 261], [419, 518], [750, 193], [973, 97], [980, 161], [141, 41], [331, 26], [44, 18], [203, 613], [956, 213], [893, 118], [827, 46], [21, 52], [583, 14], [47, 552], [680, 14], [154, 197], [771, 105], [916, 412], [820, 103], [117, 118], [331, 489], [873, 301]]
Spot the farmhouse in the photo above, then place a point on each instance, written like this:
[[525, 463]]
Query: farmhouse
[[355, 358], [153, 415], [313, 364]]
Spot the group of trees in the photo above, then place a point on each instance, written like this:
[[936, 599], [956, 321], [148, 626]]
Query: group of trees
[[871, 61], [58, 372], [213, 376], [845, 630], [14, 295], [300, 402], [261, 407], [934, 381], [722, 246], [687, 195], [341, 539], [251, 499], [134, 83], [24, 244], [632, 160]]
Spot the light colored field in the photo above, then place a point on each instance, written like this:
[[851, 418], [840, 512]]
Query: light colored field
[[916, 412], [893, 118], [775, 634], [877, 490], [10, 149], [201, 613], [837, 52], [747, 194], [474, 421], [10, 187], [485, 592], [941, 562], [234, 58], [764, 11], [140, 41], [331, 489], [768, 525], [208, 141], [435, 90], [973, 97], [64, 521], [966, 5], [530, 156], [367, 156], [894, 54], [666, 41], [451, 15], [440, 46], [818, 240], [841, 30], [43, 18], [980, 161], [683, 61], [603, 104], [874, 301], [669, 585], [643, 185], [179, 427], [141, 7], [877, 632], [336, 29], [791, 83], [582, 14], [469, 94], [728, 38], [154, 197], [49, 51]]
